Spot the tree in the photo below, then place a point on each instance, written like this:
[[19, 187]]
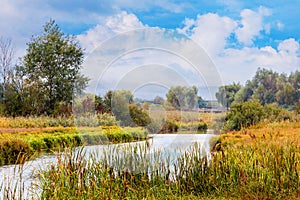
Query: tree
[[181, 97], [270, 87], [120, 101], [158, 100], [6, 58], [107, 101], [52, 63], [201, 102], [226, 94], [244, 115]]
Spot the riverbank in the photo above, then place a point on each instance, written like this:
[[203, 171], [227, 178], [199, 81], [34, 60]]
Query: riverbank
[[20, 144]]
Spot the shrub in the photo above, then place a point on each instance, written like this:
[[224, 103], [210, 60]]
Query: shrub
[[138, 116], [202, 126], [170, 126], [243, 115], [106, 119]]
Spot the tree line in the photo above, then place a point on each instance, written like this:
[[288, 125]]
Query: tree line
[[267, 87]]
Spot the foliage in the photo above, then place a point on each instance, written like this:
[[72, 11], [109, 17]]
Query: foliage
[[201, 102], [19, 144], [158, 100], [120, 101], [6, 58], [246, 114], [181, 97], [51, 69], [270, 87], [13, 151], [35, 122], [226, 94], [106, 119], [139, 116]]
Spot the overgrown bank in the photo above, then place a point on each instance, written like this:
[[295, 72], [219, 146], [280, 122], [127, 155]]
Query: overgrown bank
[[19, 146]]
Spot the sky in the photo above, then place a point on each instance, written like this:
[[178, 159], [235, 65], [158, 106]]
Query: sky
[[233, 37]]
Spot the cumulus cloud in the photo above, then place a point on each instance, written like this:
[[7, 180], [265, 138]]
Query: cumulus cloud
[[251, 25], [215, 33], [289, 46], [210, 31], [241, 64], [111, 26]]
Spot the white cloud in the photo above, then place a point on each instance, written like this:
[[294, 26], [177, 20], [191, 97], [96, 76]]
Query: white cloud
[[19, 20], [111, 26], [210, 31], [241, 64], [251, 25], [289, 47]]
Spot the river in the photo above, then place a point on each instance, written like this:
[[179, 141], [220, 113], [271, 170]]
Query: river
[[23, 178]]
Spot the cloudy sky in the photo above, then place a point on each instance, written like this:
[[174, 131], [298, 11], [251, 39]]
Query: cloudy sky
[[238, 36]]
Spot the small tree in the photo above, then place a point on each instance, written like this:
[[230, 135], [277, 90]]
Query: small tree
[[139, 116]]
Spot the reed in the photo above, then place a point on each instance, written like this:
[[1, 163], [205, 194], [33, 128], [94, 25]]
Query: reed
[[263, 169]]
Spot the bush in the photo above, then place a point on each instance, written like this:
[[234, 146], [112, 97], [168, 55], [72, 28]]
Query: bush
[[170, 127], [202, 126], [106, 119], [138, 116], [243, 115]]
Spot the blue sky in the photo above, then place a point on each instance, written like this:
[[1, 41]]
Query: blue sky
[[238, 36]]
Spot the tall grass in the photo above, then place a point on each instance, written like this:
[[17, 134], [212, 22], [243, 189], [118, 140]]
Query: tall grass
[[260, 170]]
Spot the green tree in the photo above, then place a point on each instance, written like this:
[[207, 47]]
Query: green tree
[[201, 102], [52, 64], [226, 94], [181, 97], [270, 87], [120, 101], [244, 115], [107, 101]]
